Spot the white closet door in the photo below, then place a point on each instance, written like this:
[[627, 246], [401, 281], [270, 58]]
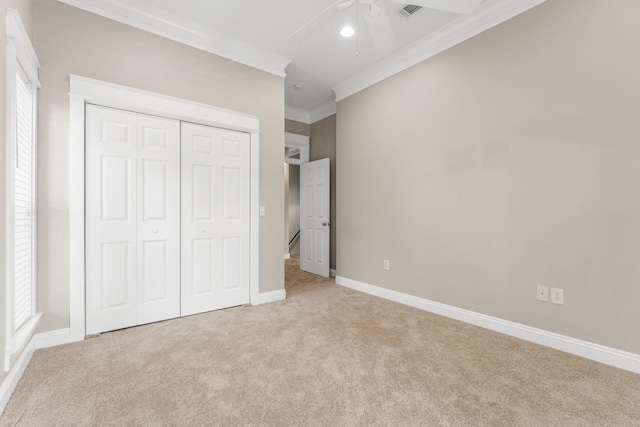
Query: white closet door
[[132, 219], [234, 224], [215, 218], [158, 202], [110, 219]]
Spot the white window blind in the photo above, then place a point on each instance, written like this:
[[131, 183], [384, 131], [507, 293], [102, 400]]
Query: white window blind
[[24, 201], [19, 306]]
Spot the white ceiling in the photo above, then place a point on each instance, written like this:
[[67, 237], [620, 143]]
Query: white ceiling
[[320, 62]]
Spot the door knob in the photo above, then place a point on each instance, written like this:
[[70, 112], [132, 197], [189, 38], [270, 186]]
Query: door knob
[[326, 223]]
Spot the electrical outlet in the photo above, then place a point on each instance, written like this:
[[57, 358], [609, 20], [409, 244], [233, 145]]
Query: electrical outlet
[[557, 295], [542, 293], [386, 264]]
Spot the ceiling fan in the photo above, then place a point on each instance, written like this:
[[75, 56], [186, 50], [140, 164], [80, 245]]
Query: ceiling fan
[[377, 19]]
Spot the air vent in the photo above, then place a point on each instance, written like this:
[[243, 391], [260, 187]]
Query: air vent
[[409, 10]]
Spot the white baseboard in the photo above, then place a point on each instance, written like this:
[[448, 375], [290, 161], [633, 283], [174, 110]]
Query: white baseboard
[[15, 373], [272, 296], [332, 272], [599, 353], [38, 341], [287, 256], [53, 338]]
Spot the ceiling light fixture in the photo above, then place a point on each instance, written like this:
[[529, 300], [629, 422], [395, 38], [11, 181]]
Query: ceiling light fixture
[[298, 86], [347, 31]]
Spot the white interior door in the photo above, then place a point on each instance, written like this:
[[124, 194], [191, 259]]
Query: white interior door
[[132, 219], [314, 217], [158, 225], [215, 218]]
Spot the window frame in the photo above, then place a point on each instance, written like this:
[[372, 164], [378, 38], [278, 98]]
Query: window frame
[[20, 57]]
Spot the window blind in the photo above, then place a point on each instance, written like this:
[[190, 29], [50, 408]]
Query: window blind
[[24, 201]]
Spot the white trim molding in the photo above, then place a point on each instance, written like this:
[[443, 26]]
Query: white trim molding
[[463, 28], [273, 296], [287, 256], [13, 376], [294, 140], [18, 341], [599, 353], [52, 338], [148, 18], [38, 341], [83, 90], [297, 114], [310, 117], [298, 143], [25, 53], [323, 111]]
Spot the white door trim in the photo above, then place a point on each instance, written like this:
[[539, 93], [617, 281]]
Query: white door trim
[[83, 90], [294, 141]]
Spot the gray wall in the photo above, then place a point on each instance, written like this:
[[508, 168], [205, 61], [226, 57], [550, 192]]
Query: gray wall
[[69, 40], [508, 161], [24, 9], [300, 128], [323, 145]]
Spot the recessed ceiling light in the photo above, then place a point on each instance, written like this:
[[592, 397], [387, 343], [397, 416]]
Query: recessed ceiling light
[[347, 31], [298, 86]]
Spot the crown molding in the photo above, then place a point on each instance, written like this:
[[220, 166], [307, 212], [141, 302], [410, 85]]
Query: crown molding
[[297, 114], [463, 28], [156, 21], [323, 111], [310, 117]]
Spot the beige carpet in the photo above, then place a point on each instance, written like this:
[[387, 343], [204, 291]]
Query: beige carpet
[[327, 356]]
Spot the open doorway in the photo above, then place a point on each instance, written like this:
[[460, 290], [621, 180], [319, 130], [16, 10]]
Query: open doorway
[[323, 133], [292, 229], [307, 206], [296, 152], [307, 219]]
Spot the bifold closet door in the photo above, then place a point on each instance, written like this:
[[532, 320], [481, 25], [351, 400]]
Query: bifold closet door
[[215, 218], [132, 219]]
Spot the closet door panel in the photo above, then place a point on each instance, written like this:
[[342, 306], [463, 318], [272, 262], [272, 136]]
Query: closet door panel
[[111, 166], [132, 219], [158, 210], [200, 258], [215, 218], [234, 222]]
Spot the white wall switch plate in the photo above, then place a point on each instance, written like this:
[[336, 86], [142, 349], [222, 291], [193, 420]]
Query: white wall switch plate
[[557, 295], [263, 211], [385, 264], [542, 293]]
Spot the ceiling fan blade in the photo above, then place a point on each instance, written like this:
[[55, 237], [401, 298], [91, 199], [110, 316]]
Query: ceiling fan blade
[[380, 29], [321, 19], [463, 7]]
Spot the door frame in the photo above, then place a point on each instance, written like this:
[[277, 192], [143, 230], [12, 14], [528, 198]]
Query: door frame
[[83, 90], [294, 141]]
